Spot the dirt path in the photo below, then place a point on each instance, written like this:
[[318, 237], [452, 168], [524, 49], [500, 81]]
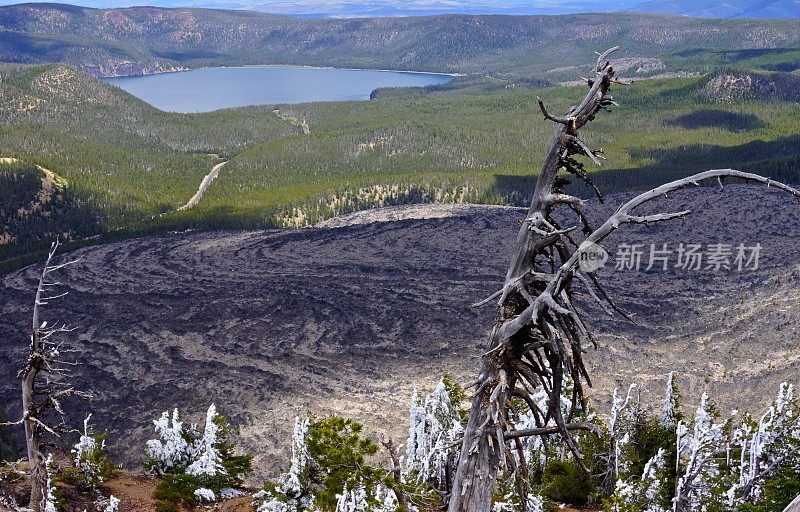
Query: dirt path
[[203, 186], [134, 491], [49, 183], [293, 120]]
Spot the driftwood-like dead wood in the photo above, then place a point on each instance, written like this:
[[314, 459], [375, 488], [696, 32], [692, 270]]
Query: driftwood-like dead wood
[[539, 337]]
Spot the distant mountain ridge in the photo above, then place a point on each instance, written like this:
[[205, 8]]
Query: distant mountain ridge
[[713, 9], [772, 9], [139, 40], [766, 9]]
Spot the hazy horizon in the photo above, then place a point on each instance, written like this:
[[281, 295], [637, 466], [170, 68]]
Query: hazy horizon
[[379, 8]]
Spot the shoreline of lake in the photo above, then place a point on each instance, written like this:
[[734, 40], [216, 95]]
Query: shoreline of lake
[[305, 66], [221, 87]]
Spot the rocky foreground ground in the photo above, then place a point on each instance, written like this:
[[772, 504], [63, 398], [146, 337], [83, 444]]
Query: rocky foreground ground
[[349, 319]]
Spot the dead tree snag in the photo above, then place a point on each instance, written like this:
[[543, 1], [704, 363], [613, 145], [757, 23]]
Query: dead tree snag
[[43, 386], [539, 337]]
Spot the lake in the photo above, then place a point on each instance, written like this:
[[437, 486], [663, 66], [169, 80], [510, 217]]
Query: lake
[[206, 89]]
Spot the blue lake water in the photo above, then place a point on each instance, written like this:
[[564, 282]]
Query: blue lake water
[[206, 89]]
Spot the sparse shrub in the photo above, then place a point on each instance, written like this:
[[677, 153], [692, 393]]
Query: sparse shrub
[[177, 488], [166, 506], [92, 465], [564, 481]]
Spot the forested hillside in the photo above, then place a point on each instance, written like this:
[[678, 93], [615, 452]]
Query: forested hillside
[[130, 166], [458, 146], [124, 160], [37, 205], [144, 39]]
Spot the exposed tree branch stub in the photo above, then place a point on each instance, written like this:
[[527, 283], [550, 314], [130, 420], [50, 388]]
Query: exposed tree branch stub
[[539, 336]]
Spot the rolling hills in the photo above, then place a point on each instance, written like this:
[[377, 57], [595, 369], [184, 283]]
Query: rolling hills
[[348, 319], [131, 166], [147, 39], [123, 160]]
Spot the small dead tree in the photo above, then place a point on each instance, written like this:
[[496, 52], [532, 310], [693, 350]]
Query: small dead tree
[[539, 337], [43, 385]]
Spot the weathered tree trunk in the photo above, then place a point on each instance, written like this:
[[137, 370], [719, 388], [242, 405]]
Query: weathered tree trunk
[[42, 360], [397, 474], [36, 361], [538, 336], [477, 465], [794, 506], [35, 458], [482, 451]]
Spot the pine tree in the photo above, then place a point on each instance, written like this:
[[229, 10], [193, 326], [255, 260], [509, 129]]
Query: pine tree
[[208, 462], [621, 423], [699, 447], [352, 501], [294, 483], [91, 459], [329, 456], [670, 412], [86, 445], [644, 493], [337, 456], [386, 499], [172, 449], [434, 426], [293, 492], [195, 466], [764, 447]]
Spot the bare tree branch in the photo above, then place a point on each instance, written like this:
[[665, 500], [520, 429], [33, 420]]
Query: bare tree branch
[[539, 336], [38, 398], [544, 431]]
